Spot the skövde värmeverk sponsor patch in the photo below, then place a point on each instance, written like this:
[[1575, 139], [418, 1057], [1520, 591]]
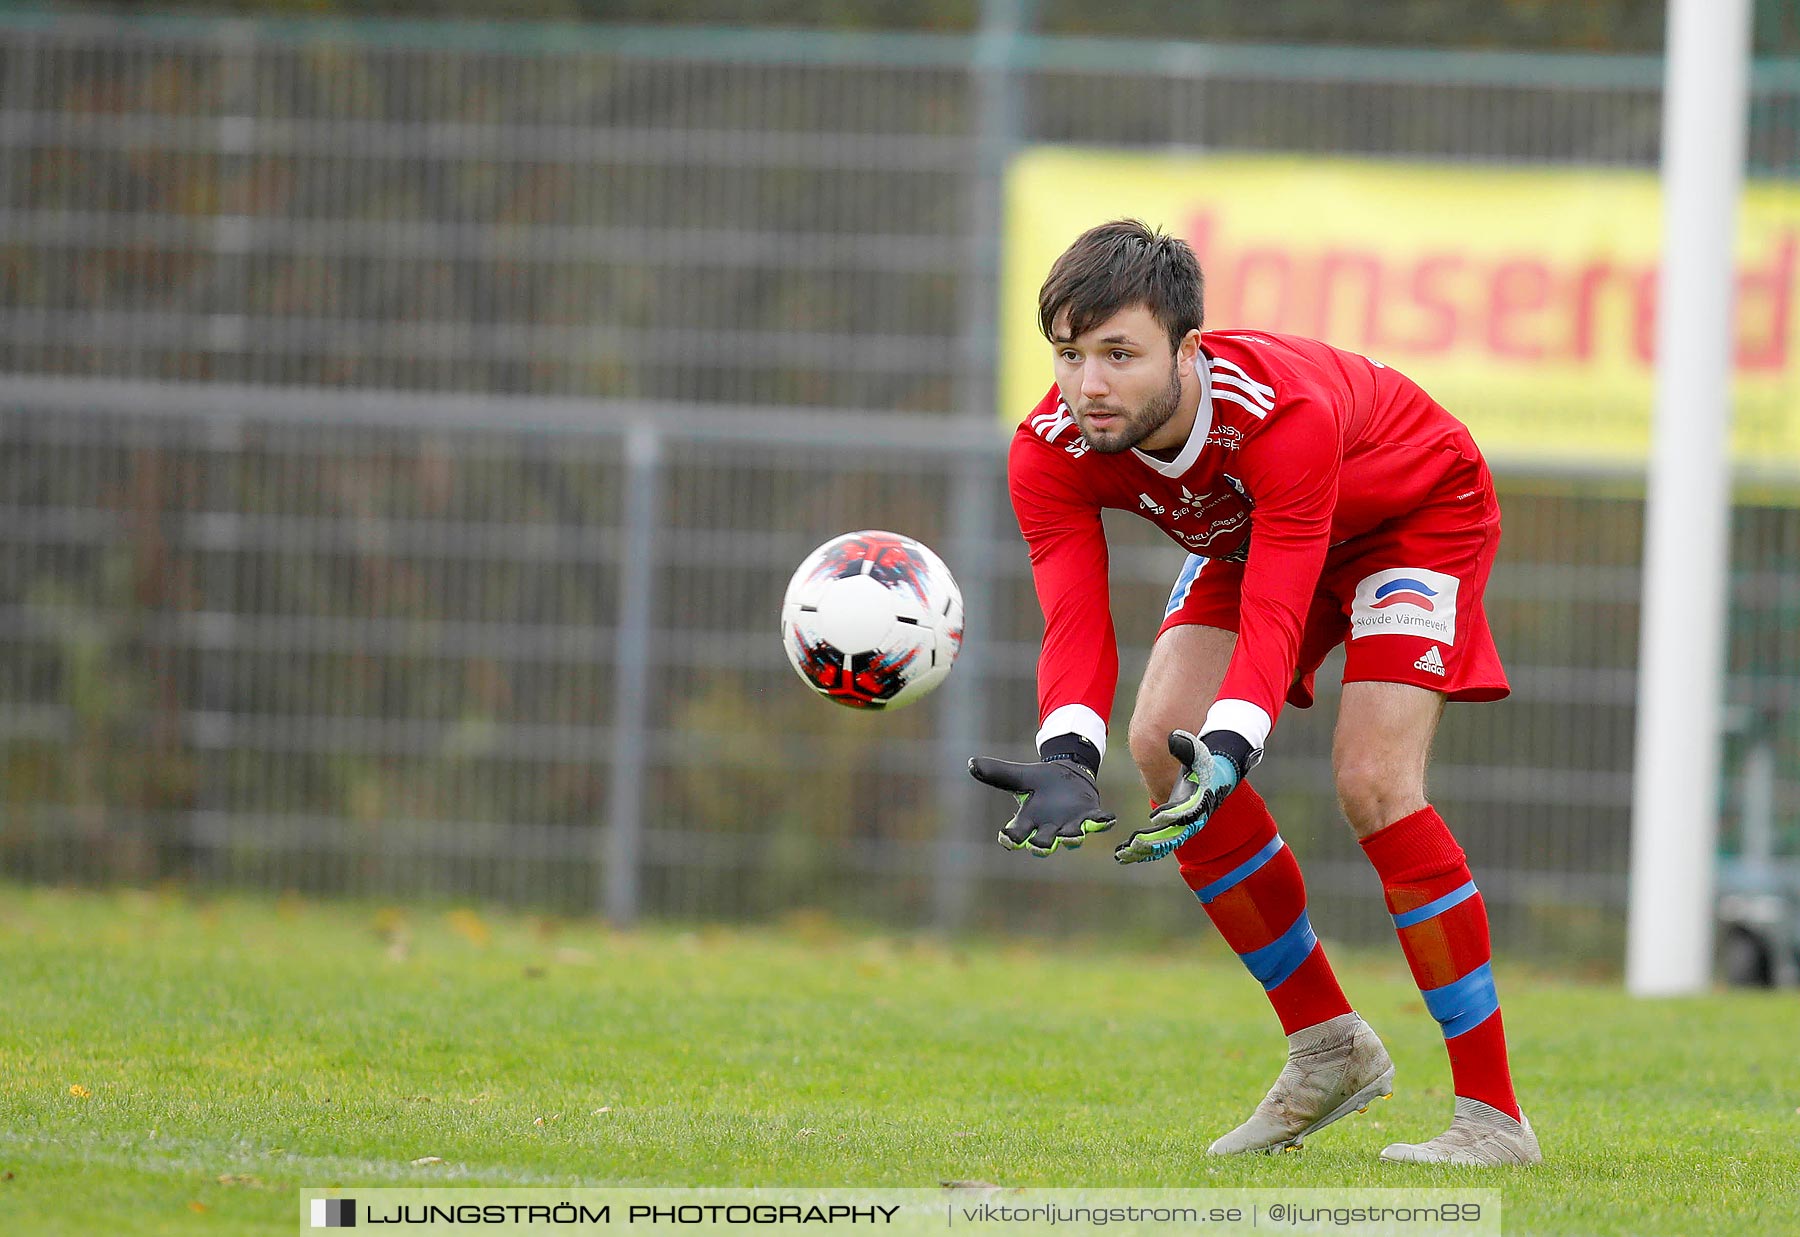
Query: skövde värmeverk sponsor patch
[[1405, 601]]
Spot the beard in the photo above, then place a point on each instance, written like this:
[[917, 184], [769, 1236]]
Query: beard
[[1140, 424]]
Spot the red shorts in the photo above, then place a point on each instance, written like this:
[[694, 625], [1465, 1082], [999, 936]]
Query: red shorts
[[1406, 599]]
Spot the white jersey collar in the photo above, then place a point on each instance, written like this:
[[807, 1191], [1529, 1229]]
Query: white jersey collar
[[1203, 423]]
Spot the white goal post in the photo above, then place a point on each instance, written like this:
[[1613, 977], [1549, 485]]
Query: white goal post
[[1675, 792]]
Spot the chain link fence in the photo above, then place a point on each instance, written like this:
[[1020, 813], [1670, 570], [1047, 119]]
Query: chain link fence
[[410, 429]]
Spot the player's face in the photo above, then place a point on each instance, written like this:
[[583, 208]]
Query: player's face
[[1124, 383]]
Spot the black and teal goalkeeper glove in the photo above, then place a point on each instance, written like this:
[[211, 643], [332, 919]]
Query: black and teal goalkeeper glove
[[1059, 801], [1206, 777]]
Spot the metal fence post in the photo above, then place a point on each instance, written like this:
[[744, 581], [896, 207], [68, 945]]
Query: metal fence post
[[631, 675], [971, 506], [965, 713]]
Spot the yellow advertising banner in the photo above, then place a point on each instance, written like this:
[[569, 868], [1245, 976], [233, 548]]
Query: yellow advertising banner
[[1522, 300]]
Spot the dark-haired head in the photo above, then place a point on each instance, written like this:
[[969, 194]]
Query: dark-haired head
[[1116, 265]]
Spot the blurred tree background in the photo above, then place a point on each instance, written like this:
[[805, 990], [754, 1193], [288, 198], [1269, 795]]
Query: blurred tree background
[[1568, 25], [389, 650]]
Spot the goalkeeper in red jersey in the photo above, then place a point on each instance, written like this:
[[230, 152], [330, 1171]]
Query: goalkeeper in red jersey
[[1323, 499]]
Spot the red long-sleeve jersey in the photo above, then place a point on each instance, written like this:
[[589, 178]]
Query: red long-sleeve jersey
[[1297, 447]]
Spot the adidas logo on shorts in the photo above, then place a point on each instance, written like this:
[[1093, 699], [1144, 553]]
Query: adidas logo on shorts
[[1431, 663]]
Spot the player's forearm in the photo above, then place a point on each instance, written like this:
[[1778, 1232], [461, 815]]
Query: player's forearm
[[1260, 671], [1295, 472], [1078, 668], [1277, 592]]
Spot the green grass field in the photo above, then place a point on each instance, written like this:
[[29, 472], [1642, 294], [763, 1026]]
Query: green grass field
[[169, 1064]]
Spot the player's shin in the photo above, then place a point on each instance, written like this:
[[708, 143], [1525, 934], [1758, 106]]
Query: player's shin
[[1250, 884], [1443, 928]]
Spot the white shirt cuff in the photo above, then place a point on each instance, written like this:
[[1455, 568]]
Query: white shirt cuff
[[1074, 719], [1243, 717]]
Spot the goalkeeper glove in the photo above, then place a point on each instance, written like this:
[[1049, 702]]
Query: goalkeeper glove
[[1211, 768], [1059, 802]]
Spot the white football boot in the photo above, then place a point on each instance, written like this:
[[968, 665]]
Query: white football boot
[[1479, 1134], [1333, 1069]]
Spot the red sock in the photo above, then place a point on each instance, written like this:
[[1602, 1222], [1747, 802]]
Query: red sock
[[1250, 884], [1443, 928]]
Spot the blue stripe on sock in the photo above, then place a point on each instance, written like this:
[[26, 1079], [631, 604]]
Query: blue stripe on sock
[[1274, 962], [1243, 870], [1437, 906], [1466, 1003]]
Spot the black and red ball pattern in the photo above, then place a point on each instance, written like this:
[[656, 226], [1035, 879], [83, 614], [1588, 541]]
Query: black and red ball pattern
[[890, 560], [868, 681]]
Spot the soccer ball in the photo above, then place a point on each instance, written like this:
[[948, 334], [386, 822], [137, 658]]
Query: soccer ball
[[872, 620]]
